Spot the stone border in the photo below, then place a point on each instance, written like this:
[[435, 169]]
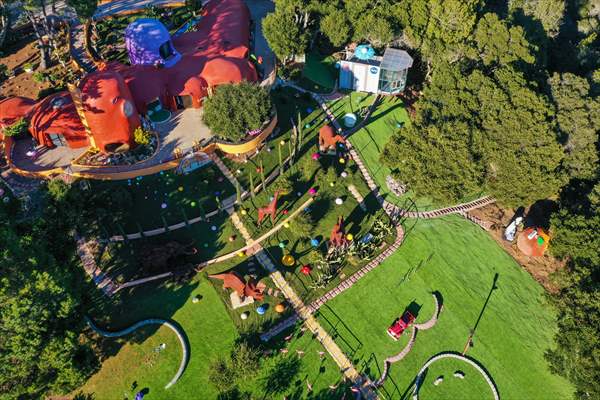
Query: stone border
[[448, 354], [151, 321]]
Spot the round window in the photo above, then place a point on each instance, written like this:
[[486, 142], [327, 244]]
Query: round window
[[127, 108]]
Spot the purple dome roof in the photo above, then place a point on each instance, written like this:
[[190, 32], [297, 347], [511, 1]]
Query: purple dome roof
[[148, 42]]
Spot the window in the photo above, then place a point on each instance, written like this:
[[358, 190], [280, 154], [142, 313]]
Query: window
[[165, 50], [57, 139]]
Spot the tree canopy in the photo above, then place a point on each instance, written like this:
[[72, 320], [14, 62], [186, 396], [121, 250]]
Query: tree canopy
[[236, 109], [43, 348]]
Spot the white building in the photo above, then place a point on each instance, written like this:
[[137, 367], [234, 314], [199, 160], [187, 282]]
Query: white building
[[381, 75]]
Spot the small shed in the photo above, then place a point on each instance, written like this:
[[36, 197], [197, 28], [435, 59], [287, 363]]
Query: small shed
[[375, 74]]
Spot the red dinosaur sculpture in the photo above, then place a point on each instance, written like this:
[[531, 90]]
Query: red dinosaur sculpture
[[232, 280], [338, 234], [328, 139], [270, 210]]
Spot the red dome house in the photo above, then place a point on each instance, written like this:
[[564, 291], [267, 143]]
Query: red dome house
[[167, 73]]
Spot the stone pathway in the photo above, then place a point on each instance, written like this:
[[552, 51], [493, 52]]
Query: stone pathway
[[102, 281], [359, 198], [305, 314]]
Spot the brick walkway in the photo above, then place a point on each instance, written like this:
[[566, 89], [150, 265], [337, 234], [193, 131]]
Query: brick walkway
[[101, 280]]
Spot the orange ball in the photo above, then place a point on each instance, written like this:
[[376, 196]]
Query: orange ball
[[280, 308]]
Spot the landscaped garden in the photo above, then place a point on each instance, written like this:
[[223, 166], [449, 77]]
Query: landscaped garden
[[458, 260], [211, 335]]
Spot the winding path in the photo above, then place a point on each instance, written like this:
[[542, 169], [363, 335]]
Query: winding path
[[416, 327], [152, 321], [460, 357]]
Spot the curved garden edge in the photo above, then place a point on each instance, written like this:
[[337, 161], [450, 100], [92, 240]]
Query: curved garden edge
[[152, 321], [451, 354]]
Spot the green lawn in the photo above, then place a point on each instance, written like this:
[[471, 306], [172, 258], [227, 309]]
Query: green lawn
[[210, 332], [123, 261], [459, 260], [140, 200], [319, 73]]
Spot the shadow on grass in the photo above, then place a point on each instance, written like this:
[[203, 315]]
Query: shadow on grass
[[351, 341]]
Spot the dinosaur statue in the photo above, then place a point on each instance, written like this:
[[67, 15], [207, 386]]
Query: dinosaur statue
[[270, 210], [159, 258], [232, 280], [328, 139], [338, 235]]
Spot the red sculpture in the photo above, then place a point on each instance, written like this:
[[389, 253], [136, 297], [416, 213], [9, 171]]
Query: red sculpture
[[328, 139], [270, 210], [338, 235], [232, 280]]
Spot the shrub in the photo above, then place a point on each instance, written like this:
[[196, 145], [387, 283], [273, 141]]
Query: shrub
[[236, 109], [3, 71], [141, 136], [284, 184], [245, 361], [16, 129], [221, 375]]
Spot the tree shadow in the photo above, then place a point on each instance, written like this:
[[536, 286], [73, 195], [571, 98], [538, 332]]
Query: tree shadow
[[280, 377]]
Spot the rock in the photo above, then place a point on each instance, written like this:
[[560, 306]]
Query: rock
[[459, 374], [438, 380]]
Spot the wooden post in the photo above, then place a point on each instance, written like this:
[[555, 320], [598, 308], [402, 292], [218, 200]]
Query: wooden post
[[202, 211], [238, 192], [252, 185], [262, 175], [164, 220], [185, 217]]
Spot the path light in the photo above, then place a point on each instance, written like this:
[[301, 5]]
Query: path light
[[282, 142], [285, 212], [180, 188], [286, 225], [193, 204], [342, 160], [299, 194], [331, 184], [163, 205], [306, 270], [213, 228]]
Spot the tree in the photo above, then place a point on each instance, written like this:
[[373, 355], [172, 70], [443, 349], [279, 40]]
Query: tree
[[336, 27], [85, 9], [578, 117], [221, 375], [236, 109], [373, 28], [473, 131], [498, 44], [44, 349], [19, 127], [284, 35], [574, 238], [548, 12]]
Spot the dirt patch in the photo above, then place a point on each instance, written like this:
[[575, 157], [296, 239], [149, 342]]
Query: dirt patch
[[22, 83], [541, 268]]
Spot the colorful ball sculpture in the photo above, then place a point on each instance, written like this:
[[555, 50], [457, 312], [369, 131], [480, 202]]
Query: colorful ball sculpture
[[344, 174], [282, 245], [193, 204], [244, 212], [339, 201], [180, 188], [213, 228], [279, 308], [244, 315], [312, 191], [231, 238], [241, 254], [306, 270], [163, 205], [314, 242], [331, 184], [316, 156], [350, 236], [286, 225], [288, 260], [342, 160], [261, 310]]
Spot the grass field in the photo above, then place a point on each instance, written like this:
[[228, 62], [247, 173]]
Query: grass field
[[210, 333], [319, 73], [459, 260]]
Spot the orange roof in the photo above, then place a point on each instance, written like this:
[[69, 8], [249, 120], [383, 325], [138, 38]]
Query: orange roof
[[533, 242], [56, 114], [12, 109]]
